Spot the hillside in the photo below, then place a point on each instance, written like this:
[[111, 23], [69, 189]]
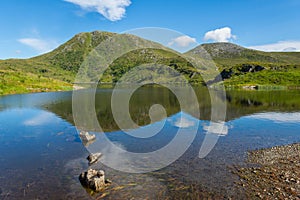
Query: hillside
[[49, 72], [242, 66], [56, 70], [71, 54], [228, 54]]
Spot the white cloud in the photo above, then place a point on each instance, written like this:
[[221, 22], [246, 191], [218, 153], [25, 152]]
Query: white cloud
[[184, 123], [220, 35], [113, 10], [41, 119], [279, 46], [218, 128], [42, 46], [183, 41], [278, 117]]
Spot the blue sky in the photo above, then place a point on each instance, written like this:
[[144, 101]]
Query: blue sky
[[29, 28]]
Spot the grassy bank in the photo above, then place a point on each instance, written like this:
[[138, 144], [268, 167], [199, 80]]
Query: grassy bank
[[12, 82]]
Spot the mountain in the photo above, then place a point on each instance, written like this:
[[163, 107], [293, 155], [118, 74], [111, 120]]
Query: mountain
[[56, 70], [242, 66], [228, 54], [59, 67], [49, 72], [71, 54]]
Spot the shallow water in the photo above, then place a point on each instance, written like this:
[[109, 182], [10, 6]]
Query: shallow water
[[42, 154]]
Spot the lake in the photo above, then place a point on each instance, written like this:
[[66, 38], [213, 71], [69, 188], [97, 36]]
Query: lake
[[42, 154]]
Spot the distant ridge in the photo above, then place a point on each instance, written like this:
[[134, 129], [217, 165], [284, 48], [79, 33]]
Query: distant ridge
[[228, 53]]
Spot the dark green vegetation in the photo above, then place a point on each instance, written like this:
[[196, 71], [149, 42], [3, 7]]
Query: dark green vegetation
[[162, 57], [57, 70]]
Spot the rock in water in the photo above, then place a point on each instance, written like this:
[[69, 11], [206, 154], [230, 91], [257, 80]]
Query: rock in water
[[86, 137], [93, 179], [93, 158]]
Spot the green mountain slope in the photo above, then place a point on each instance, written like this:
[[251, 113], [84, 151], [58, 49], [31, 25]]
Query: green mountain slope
[[71, 54], [57, 70], [49, 72], [228, 54], [60, 66]]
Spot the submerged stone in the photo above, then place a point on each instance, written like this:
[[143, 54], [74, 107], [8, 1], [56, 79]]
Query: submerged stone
[[93, 158], [93, 179], [86, 137]]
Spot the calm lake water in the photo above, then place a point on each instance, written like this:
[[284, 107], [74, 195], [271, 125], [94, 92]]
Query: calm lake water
[[42, 154]]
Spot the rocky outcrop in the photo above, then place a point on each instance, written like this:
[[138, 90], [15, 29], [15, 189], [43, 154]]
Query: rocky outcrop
[[245, 68], [225, 74], [236, 71], [94, 180]]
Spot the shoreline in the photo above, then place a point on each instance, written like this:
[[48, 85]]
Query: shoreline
[[227, 88], [273, 173], [36, 92]]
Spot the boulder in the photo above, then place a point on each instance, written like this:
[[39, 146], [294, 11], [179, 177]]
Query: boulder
[[93, 179]]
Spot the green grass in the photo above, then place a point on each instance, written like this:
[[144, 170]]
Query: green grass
[[12, 82], [269, 77]]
